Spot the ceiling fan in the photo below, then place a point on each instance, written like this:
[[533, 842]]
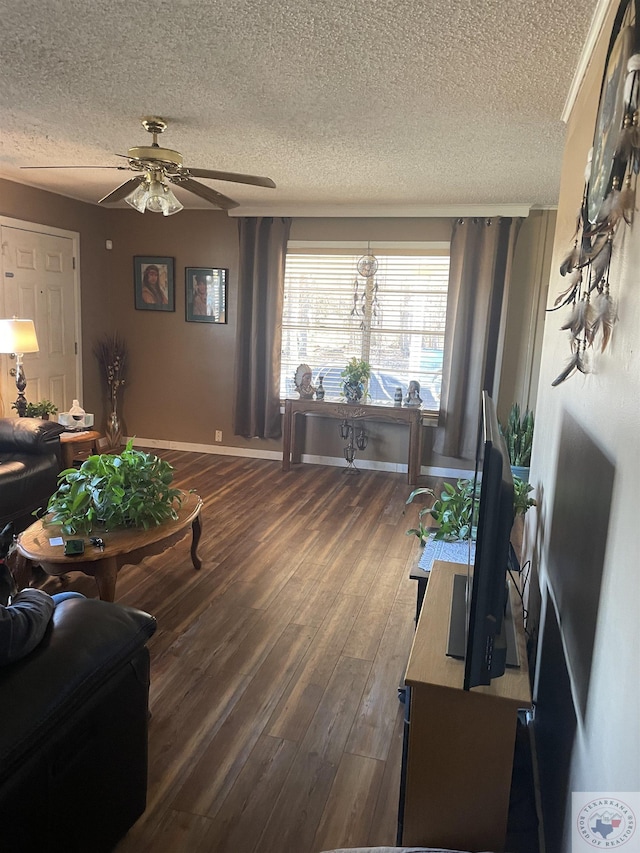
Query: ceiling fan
[[156, 168]]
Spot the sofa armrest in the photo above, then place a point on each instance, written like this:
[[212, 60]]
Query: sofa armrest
[[29, 435], [86, 642]]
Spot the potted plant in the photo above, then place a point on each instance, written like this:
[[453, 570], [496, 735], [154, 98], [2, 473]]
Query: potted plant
[[453, 510], [521, 500], [518, 435], [130, 489], [355, 374], [39, 410]]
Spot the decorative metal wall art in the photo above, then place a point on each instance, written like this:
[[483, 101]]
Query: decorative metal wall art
[[367, 267], [608, 199]]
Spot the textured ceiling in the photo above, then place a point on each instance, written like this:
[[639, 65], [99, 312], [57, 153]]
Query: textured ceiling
[[382, 104]]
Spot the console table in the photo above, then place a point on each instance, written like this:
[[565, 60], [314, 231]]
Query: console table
[[459, 744], [412, 417]]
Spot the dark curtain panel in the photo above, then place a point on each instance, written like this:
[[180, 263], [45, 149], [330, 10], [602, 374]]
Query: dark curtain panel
[[480, 269], [263, 250]]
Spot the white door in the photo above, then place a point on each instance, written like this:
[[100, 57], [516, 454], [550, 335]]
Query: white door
[[40, 284]]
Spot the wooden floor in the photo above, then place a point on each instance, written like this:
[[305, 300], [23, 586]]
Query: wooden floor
[[275, 723]]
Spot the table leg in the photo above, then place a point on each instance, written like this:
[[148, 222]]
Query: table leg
[[105, 572], [286, 437], [196, 531], [415, 450], [298, 433]]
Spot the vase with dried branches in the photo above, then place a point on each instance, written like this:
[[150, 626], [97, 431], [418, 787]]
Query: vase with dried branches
[[111, 353]]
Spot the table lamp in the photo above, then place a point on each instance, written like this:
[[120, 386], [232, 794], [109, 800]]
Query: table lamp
[[17, 337]]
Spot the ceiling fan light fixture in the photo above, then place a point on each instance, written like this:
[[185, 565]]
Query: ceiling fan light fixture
[[138, 198], [153, 194], [171, 203]]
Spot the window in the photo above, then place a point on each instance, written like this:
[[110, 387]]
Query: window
[[395, 321]]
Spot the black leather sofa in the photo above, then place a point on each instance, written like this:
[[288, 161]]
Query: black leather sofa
[[73, 733], [30, 462]]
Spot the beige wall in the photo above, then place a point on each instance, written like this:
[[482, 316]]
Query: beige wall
[[602, 410], [181, 374], [33, 205]]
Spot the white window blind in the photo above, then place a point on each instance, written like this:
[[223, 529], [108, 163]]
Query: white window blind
[[395, 321]]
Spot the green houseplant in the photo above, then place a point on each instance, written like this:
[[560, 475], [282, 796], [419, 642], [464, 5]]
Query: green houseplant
[[453, 510], [355, 374], [518, 435], [42, 409], [130, 489], [521, 500]]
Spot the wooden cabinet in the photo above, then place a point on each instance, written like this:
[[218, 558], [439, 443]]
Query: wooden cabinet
[[458, 744]]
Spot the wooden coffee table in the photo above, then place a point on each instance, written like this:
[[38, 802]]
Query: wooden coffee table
[[121, 547]]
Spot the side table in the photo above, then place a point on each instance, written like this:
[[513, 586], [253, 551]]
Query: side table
[[75, 443]]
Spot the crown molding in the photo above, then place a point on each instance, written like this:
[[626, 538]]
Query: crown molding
[[597, 23], [381, 211]]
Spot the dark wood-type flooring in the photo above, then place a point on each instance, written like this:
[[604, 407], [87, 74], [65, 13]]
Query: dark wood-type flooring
[[275, 722]]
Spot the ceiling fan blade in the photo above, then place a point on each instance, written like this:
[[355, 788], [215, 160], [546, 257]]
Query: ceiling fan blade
[[206, 193], [232, 176], [121, 191], [74, 167]]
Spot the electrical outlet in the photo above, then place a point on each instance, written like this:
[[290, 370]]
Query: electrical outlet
[[218, 435]]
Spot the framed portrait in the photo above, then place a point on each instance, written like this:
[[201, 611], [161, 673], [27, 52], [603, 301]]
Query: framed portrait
[[154, 283], [206, 295]]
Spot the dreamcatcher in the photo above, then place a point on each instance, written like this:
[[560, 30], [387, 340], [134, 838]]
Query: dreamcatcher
[[608, 199], [367, 267]]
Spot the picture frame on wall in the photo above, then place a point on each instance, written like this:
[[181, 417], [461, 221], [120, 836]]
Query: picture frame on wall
[[154, 283], [206, 294]]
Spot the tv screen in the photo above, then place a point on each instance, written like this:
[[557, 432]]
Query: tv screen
[[481, 624]]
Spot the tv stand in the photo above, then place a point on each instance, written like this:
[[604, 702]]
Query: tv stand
[[458, 751]]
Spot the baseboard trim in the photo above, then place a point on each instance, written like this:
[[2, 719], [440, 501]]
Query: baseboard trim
[[334, 461]]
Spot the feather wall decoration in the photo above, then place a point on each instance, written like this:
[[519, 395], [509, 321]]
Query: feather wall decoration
[[603, 318], [609, 198], [569, 294], [576, 362], [580, 320], [599, 266], [571, 261]]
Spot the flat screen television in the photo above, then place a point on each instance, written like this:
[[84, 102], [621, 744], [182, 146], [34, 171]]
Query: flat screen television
[[481, 626]]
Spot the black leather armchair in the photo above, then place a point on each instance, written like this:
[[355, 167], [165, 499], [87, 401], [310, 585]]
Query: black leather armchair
[[73, 737], [29, 466]]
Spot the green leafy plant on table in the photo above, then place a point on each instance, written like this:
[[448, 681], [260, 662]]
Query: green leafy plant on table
[[130, 489], [42, 409], [453, 510], [355, 376], [357, 371], [518, 435]]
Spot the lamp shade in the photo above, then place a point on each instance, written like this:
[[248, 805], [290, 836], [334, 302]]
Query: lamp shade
[[155, 195], [18, 336]]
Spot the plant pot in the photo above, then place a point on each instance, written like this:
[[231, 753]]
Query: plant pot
[[353, 391], [521, 472]]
